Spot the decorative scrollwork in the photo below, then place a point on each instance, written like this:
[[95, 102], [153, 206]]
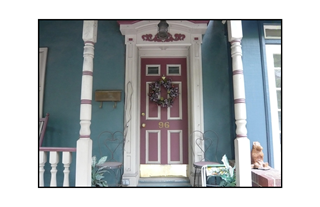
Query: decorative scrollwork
[[176, 37]]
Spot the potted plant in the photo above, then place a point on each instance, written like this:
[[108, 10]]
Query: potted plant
[[227, 174], [97, 172]]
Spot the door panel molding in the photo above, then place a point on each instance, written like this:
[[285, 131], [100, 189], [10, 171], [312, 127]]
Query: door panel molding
[[179, 102], [148, 107], [175, 153], [153, 144]]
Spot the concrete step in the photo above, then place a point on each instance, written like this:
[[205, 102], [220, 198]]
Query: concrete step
[[164, 182]]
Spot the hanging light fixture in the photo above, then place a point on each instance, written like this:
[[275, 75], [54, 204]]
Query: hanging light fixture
[[163, 30]]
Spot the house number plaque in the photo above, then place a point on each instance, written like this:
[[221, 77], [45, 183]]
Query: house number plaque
[[165, 125]]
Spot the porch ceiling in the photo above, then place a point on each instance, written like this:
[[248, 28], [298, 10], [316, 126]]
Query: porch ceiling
[[120, 22]]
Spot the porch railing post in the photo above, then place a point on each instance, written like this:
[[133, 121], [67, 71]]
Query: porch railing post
[[66, 160], [42, 162], [84, 144], [241, 143], [54, 160]]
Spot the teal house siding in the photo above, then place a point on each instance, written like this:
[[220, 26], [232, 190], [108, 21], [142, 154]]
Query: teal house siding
[[108, 74], [218, 88]]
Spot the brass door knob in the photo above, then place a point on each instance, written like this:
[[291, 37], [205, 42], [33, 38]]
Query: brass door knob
[[143, 125], [143, 114]]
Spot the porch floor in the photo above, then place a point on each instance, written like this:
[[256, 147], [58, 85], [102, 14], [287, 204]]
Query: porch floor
[[164, 182]]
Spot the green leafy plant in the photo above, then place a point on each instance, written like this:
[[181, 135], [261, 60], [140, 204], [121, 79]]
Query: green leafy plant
[[227, 174], [97, 172]]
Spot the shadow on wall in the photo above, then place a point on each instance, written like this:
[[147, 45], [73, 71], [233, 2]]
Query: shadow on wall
[[218, 87]]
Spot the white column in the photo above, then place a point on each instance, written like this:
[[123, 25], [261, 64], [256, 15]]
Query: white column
[[242, 143], [196, 99], [131, 153], [66, 160], [54, 160], [42, 162], [84, 144], [196, 83]]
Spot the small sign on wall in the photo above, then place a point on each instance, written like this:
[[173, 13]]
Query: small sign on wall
[[103, 95]]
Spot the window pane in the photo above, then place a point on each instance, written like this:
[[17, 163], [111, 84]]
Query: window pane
[[153, 70], [174, 70], [279, 99], [273, 33], [277, 60], [277, 74]]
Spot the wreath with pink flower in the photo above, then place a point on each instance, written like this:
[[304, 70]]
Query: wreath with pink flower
[[155, 91]]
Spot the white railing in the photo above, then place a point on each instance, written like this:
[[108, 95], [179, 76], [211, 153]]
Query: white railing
[[54, 160]]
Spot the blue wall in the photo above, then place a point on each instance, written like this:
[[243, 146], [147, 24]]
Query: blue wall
[[218, 88], [256, 99]]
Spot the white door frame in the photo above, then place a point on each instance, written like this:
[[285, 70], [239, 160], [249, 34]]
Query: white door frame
[[188, 47]]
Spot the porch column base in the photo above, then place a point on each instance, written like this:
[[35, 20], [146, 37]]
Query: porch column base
[[83, 167], [130, 180], [243, 162]]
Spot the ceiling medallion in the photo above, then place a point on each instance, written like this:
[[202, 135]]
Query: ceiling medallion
[[170, 38]]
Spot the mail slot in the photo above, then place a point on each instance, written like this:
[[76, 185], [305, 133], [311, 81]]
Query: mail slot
[[103, 95]]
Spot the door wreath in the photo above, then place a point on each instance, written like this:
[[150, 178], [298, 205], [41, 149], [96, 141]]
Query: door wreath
[[155, 92]]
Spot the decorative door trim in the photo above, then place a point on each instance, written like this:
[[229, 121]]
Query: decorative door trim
[[137, 48]]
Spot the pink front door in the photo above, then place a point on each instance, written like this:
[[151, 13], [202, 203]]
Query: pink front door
[[164, 130]]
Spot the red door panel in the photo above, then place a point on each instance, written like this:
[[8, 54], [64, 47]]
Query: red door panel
[[164, 139]]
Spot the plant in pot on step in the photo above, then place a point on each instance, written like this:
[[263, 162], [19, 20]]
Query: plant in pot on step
[[97, 172], [227, 174]]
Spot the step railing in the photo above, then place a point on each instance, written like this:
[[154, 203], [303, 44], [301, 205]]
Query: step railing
[[54, 159]]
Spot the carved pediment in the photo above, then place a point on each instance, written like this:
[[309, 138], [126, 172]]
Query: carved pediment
[[155, 38], [180, 32]]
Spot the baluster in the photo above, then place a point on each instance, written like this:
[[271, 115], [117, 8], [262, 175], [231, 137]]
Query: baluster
[[66, 160], [42, 162], [54, 160]]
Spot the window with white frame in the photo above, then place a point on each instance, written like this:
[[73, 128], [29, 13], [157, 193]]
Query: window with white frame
[[273, 58], [42, 74], [273, 53], [272, 31]]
